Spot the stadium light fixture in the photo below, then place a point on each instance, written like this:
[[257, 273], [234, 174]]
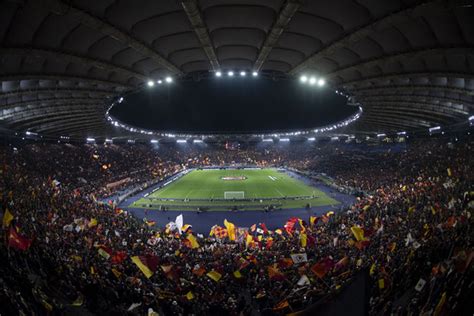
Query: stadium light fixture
[[284, 139], [230, 73], [90, 139], [381, 135], [312, 80], [197, 141], [311, 139], [254, 74], [160, 81], [303, 79], [471, 118], [401, 133], [169, 79], [154, 141], [150, 83], [436, 128], [267, 140], [321, 82], [120, 100], [181, 141], [243, 73], [107, 140], [218, 73]]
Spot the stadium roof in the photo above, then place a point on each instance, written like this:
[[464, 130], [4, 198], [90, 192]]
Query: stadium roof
[[409, 62]]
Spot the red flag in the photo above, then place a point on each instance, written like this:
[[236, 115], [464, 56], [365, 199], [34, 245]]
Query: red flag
[[118, 257], [264, 227], [323, 267], [17, 241], [275, 274], [290, 225]]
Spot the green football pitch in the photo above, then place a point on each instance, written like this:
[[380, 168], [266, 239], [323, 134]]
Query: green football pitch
[[246, 189]]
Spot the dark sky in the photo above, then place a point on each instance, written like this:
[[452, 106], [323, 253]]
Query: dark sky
[[232, 105]]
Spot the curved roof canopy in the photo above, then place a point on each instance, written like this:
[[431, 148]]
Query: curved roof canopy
[[410, 63]]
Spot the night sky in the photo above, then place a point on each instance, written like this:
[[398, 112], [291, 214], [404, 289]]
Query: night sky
[[232, 105]]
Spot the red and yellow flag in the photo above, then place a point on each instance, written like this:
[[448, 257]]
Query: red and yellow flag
[[15, 240], [147, 264]]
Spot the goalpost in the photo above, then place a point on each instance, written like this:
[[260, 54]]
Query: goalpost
[[232, 195]]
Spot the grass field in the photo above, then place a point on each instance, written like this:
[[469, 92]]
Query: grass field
[[259, 187]]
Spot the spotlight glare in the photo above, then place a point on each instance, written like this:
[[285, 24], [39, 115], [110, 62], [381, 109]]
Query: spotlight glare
[[153, 141], [230, 73], [321, 82], [243, 73], [312, 80], [218, 74], [159, 82], [303, 79], [169, 79], [255, 74], [151, 83]]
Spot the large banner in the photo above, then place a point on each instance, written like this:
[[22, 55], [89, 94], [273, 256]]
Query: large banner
[[117, 183]]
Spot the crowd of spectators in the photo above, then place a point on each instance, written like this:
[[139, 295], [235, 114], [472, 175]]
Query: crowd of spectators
[[411, 232]]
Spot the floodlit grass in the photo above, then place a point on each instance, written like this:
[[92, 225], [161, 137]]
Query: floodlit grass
[[263, 187]]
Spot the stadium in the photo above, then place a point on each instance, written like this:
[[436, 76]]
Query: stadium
[[209, 157]]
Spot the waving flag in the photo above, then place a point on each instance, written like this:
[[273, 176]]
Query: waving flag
[[147, 264], [179, 222], [192, 241], [275, 274], [230, 229], [7, 218], [15, 240], [313, 220], [299, 257], [358, 233], [214, 275], [321, 268]]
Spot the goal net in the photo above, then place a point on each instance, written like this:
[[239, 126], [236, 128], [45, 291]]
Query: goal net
[[231, 195]]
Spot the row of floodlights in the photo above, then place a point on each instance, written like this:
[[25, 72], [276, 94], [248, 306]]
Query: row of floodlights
[[312, 80], [231, 73], [151, 83]]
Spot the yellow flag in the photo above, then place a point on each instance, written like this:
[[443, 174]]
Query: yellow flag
[[193, 241], [214, 275], [230, 229], [117, 273], [237, 274], [411, 209], [7, 218], [372, 269], [92, 223], [248, 240], [450, 173], [303, 239], [381, 283], [358, 233], [190, 296], [312, 220]]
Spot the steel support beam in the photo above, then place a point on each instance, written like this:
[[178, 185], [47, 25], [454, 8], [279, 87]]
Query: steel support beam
[[284, 17], [191, 7]]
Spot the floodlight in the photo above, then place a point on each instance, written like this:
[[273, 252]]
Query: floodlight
[[218, 74], [169, 79], [321, 82], [381, 135], [284, 139], [230, 73], [181, 141], [153, 141], [311, 139], [120, 100], [243, 73], [255, 74], [303, 79], [90, 139], [312, 80], [150, 83], [197, 141], [160, 81]]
